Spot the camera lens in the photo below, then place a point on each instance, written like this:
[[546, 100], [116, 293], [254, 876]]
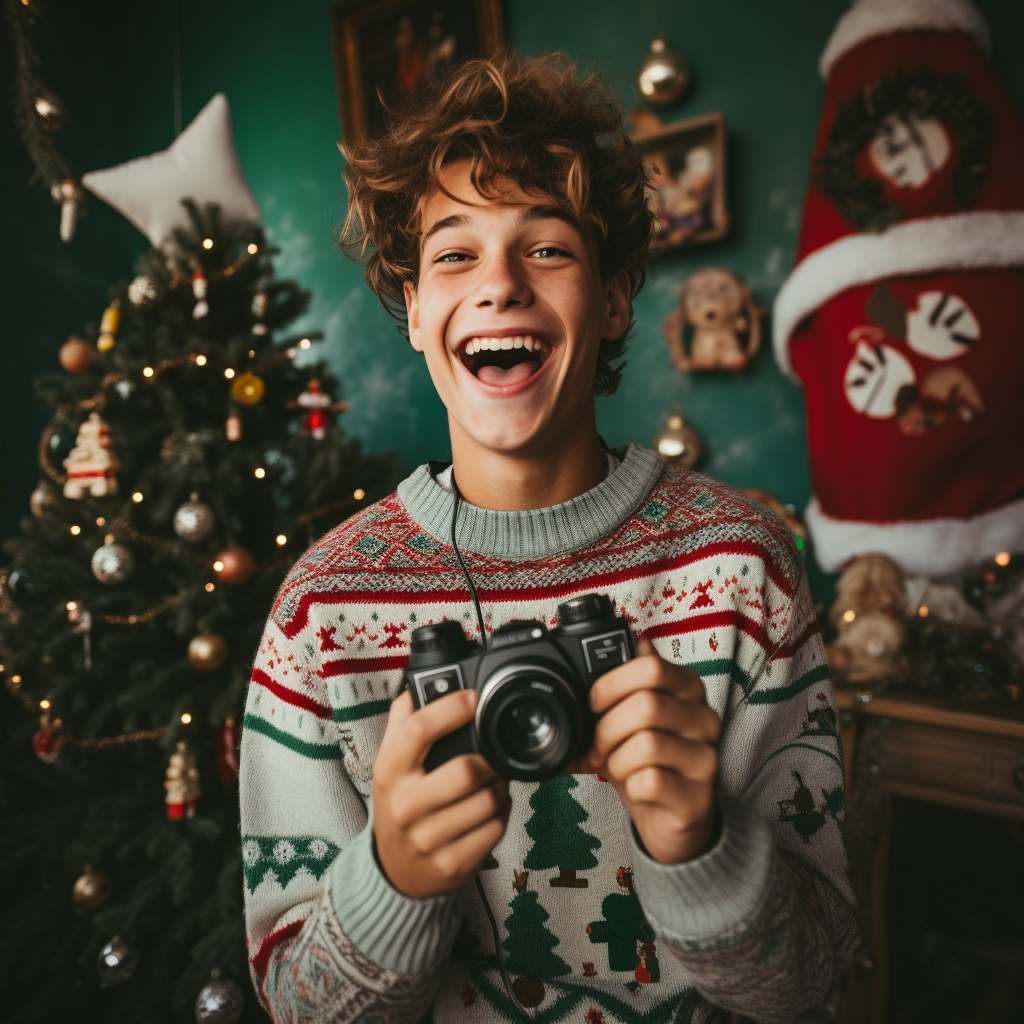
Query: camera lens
[[528, 720], [528, 728]]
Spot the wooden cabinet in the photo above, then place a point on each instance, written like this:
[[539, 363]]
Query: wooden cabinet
[[902, 745]]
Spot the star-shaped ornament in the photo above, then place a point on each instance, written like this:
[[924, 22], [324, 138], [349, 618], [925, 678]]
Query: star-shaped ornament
[[201, 164]]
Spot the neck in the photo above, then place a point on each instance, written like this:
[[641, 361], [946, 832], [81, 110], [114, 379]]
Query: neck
[[535, 478]]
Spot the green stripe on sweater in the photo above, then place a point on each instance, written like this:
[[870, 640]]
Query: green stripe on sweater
[[358, 711], [781, 693], [317, 751]]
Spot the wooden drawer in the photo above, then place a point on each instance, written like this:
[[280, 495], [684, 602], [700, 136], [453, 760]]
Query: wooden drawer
[[985, 771]]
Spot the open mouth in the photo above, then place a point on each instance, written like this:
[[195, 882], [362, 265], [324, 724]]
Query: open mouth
[[502, 362]]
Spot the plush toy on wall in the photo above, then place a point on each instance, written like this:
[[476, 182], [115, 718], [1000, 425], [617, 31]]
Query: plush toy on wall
[[716, 326], [904, 316]]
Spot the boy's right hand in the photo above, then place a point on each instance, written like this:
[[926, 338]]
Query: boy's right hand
[[434, 830]]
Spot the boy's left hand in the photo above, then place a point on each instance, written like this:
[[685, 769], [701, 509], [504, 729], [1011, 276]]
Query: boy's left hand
[[656, 742]]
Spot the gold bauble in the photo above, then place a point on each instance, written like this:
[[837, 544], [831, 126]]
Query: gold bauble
[[663, 76], [91, 890], [248, 389], [678, 444], [105, 342], [207, 651]]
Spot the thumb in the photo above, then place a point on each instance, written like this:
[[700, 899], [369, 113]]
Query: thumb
[[644, 648]]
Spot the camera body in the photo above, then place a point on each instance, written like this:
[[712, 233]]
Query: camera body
[[533, 714]]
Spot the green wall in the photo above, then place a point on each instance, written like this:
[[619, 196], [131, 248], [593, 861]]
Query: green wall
[[754, 61]]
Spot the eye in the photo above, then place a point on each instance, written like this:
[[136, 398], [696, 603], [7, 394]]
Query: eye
[[549, 251], [452, 257]]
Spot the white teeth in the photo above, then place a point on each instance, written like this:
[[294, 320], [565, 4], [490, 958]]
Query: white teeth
[[506, 344], [529, 343], [517, 341]]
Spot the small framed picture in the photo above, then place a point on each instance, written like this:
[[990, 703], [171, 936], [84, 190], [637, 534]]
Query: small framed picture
[[393, 48], [687, 164]]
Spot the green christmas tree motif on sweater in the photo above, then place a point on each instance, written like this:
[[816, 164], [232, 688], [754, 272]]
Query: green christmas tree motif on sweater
[[800, 811], [558, 840], [629, 937], [530, 945]]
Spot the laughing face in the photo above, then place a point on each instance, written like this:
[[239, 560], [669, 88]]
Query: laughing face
[[509, 311]]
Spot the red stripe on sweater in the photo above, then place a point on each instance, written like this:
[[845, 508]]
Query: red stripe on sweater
[[297, 700], [614, 577], [755, 630], [262, 958], [354, 666]]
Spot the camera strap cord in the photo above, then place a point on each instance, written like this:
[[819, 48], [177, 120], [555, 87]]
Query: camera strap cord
[[499, 952]]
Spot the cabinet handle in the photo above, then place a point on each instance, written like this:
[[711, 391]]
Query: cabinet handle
[[1018, 776]]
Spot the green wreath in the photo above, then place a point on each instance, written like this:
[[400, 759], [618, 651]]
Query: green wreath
[[921, 94]]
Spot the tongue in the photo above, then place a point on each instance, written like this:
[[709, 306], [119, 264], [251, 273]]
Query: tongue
[[501, 377]]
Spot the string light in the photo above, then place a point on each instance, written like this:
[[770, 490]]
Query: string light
[[15, 679], [209, 587], [229, 373], [923, 611], [849, 616], [359, 494], [218, 566], [148, 371], [200, 360], [45, 705], [259, 472], [137, 497], [252, 249], [100, 521], [71, 605], [1003, 558], [186, 718], [207, 243], [281, 540], [292, 353], [75, 531], [1, 668], [305, 343]]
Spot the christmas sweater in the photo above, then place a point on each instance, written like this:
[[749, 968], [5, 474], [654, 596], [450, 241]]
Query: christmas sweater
[[592, 929]]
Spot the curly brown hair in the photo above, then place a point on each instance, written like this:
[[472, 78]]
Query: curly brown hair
[[535, 122]]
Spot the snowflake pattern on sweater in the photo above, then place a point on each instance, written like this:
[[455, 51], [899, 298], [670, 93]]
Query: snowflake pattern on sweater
[[590, 926]]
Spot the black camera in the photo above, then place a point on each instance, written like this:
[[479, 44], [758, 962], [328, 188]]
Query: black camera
[[532, 713]]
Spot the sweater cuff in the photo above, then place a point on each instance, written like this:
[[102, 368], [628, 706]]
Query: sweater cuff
[[716, 894], [395, 931]]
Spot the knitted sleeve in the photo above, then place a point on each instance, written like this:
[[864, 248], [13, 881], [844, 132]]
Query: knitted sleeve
[[763, 922], [329, 938]]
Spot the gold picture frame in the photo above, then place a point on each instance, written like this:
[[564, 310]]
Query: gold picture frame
[[392, 47], [688, 168]]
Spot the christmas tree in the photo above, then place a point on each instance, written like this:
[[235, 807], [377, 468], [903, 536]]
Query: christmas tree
[[530, 945], [559, 841], [193, 454]]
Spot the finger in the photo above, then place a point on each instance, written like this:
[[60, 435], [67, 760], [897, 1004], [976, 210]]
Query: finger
[[421, 794], [459, 819], [646, 672], [693, 760], [464, 857], [410, 736], [682, 804], [653, 709]]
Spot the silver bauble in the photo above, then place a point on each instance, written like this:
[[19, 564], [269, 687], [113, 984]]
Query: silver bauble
[[113, 563], [117, 961], [142, 291], [219, 1002], [663, 76], [194, 520]]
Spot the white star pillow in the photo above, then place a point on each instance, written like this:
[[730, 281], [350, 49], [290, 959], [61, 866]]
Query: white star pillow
[[201, 164]]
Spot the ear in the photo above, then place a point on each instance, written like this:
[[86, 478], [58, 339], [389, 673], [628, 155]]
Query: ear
[[616, 313], [412, 312]]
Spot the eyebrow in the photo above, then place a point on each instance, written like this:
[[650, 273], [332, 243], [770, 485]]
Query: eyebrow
[[527, 216]]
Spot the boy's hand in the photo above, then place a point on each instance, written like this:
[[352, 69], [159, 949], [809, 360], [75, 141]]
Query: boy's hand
[[656, 741], [433, 830]]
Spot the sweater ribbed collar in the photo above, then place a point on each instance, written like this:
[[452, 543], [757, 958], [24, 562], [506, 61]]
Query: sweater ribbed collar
[[538, 532]]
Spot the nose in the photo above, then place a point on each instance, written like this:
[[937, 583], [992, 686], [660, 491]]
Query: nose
[[502, 284]]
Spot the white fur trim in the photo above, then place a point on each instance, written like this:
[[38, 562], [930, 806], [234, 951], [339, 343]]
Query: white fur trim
[[869, 18], [931, 547], [977, 240]]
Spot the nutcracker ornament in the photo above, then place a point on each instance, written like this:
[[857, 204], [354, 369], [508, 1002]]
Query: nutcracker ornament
[[320, 409], [199, 288], [92, 465], [182, 784], [904, 314]]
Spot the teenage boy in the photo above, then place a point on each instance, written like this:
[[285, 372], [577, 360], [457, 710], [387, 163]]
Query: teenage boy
[[692, 864]]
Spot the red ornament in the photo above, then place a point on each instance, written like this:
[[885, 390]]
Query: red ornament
[[76, 355], [320, 409], [234, 566], [227, 754], [642, 975], [47, 743]]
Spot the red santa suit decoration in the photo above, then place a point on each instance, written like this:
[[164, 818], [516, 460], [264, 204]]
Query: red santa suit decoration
[[904, 315], [92, 465], [320, 409]]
